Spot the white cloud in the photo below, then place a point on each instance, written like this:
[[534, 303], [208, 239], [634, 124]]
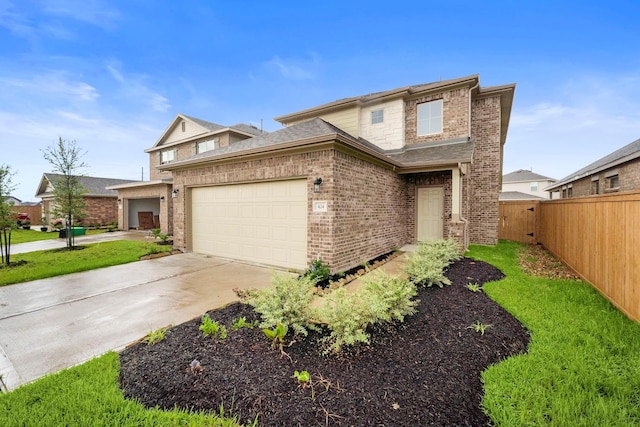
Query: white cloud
[[135, 88], [96, 12], [55, 82]]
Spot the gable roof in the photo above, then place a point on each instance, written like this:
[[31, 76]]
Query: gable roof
[[625, 154], [206, 129], [96, 187], [317, 130], [376, 96], [523, 175]]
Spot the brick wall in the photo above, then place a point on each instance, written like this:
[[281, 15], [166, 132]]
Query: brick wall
[[370, 207], [366, 213], [100, 210], [484, 173], [455, 111], [628, 175]]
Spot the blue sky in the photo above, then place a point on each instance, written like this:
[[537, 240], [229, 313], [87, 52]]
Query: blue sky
[[112, 74]]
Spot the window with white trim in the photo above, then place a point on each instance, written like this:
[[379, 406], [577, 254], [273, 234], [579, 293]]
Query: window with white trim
[[430, 118], [208, 145], [534, 186], [377, 116], [614, 182], [167, 156]]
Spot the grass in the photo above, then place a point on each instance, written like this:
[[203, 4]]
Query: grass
[[24, 236], [50, 263], [88, 395], [583, 363]]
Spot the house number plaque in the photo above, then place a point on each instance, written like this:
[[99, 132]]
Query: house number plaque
[[319, 206]]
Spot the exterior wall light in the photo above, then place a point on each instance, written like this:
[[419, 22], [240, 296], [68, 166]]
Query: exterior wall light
[[174, 193], [162, 198], [316, 185]]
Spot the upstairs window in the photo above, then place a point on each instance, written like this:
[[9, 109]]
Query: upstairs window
[[430, 118], [614, 182], [208, 145], [167, 156], [595, 186], [377, 116], [534, 186]]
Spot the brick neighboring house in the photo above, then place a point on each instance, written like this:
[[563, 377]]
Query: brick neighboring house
[[618, 171], [101, 204], [184, 138], [525, 185], [345, 181]]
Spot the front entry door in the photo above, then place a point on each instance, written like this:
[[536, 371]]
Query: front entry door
[[430, 219]]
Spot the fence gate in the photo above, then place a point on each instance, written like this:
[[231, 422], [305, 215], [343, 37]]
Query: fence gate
[[519, 220]]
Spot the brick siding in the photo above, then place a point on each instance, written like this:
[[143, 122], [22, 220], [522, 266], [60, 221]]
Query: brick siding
[[149, 192], [455, 111], [483, 182], [100, 211], [628, 175]]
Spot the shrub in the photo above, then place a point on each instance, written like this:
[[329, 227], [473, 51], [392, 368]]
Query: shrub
[[426, 265], [389, 296], [286, 302], [382, 298], [319, 271], [155, 336], [347, 317]]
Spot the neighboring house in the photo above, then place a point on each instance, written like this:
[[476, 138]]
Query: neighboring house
[[527, 183], [101, 204], [345, 181], [618, 171], [13, 200], [184, 138], [517, 195]]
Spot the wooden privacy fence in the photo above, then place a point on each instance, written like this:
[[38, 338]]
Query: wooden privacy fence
[[35, 212], [598, 237], [518, 220]]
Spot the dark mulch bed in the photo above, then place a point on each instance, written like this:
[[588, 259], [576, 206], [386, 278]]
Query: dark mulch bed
[[423, 372]]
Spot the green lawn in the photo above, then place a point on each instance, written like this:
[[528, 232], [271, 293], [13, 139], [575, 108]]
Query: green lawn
[[50, 263], [23, 236], [88, 395], [583, 363]]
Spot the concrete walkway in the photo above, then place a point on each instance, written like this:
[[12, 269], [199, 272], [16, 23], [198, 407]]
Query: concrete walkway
[[51, 324]]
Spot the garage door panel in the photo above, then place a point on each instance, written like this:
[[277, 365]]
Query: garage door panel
[[261, 222]]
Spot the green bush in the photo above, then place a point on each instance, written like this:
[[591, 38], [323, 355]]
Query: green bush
[[318, 271], [347, 317], [213, 328], [286, 302], [382, 298], [390, 297], [426, 265]]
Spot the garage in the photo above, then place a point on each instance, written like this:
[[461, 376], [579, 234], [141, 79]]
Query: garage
[[265, 222]]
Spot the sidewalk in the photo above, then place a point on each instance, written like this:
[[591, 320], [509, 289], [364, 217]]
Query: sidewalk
[[42, 245]]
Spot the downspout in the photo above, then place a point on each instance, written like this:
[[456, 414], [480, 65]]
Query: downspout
[[463, 219]]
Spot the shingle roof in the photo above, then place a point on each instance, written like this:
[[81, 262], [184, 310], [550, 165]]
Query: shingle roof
[[205, 124], [314, 130], [95, 186], [247, 129], [524, 175], [452, 152], [517, 195], [622, 155]]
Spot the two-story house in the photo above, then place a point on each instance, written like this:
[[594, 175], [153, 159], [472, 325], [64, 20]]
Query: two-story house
[[525, 185], [149, 204], [617, 171], [345, 181]]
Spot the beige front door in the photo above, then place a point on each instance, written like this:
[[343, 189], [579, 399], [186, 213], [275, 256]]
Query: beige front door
[[265, 222], [430, 218]]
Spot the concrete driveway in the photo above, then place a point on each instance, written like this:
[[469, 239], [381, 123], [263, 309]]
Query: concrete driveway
[[51, 324]]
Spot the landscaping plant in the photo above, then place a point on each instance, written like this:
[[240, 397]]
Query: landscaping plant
[[319, 271], [156, 336], [286, 302], [213, 328], [427, 264]]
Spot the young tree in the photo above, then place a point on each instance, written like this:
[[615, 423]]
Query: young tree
[[7, 216], [68, 203]]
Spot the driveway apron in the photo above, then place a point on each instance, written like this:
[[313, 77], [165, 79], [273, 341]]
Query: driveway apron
[[51, 324]]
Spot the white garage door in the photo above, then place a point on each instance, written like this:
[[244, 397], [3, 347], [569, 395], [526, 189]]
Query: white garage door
[[262, 222]]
